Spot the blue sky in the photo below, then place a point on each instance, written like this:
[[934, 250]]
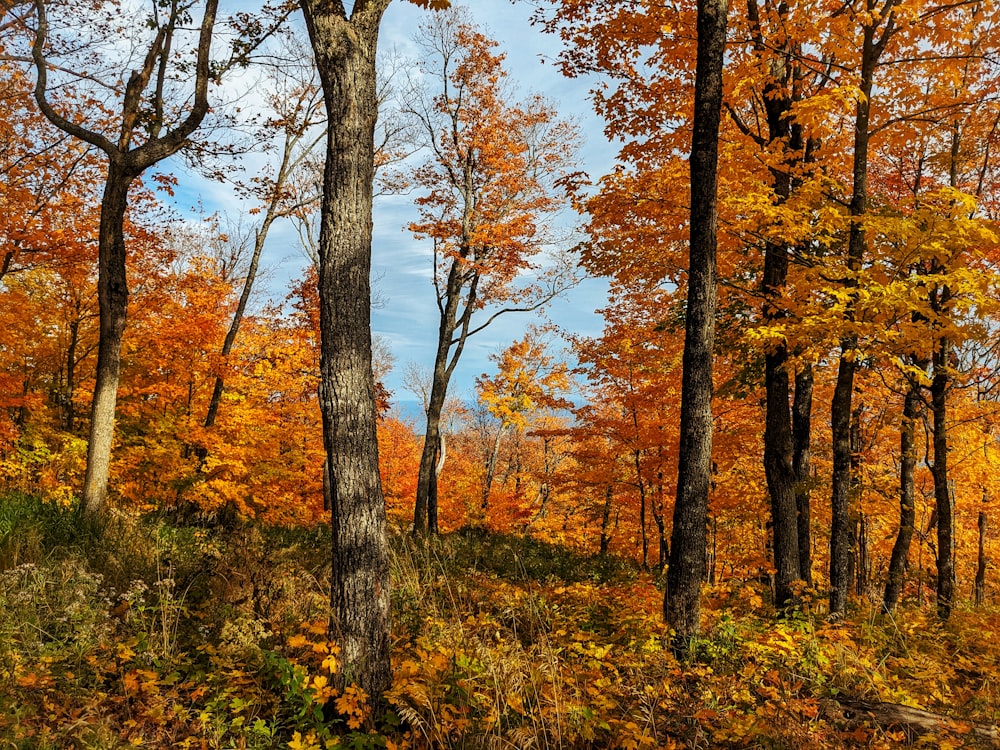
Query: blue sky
[[407, 319]]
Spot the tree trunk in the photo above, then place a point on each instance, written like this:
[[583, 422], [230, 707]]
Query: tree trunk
[[864, 569], [606, 522], [663, 546], [491, 467], [234, 327], [425, 508], [842, 404], [360, 620], [907, 508], [801, 444], [69, 406], [125, 164], [778, 450], [112, 296], [682, 600], [644, 537], [980, 590], [942, 494]]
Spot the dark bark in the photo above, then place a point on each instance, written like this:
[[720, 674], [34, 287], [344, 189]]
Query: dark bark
[[842, 403], [942, 494], [644, 537], [606, 521], [801, 465], [682, 600], [112, 297], [663, 546], [778, 449], [980, 587], [344, 48], [907, 508], [69, 405], [864, 566]]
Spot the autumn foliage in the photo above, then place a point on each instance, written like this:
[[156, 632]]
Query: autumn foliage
[[201, 618]]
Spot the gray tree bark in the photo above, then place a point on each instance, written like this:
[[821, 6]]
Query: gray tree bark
[[344, 47]]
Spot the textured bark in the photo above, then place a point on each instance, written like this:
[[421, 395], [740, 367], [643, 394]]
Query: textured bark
[[778, 453], [801, 465], [125, 164], [682, 600], [778, 450], [344, 48], [112, 297], [907, 509]]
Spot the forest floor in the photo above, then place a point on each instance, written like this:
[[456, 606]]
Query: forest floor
[[147, 633]]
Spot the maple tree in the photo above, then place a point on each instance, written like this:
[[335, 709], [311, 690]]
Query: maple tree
[[490, 183], [527, 380], [550, 606], [145, 135]]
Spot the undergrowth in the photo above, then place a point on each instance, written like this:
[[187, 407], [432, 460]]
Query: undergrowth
[[147, 633]]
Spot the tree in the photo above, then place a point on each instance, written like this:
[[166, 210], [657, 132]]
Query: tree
[[491, 186], [344, 47], [146, 135], [295, 105], [528, 379], [681, 601]]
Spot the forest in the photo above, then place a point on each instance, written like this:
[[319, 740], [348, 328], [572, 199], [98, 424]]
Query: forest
[[757, 510]]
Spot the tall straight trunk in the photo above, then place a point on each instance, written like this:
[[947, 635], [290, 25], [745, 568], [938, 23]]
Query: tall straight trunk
[[682, 599], [863, 572], [801, 465], [842, 403], [344, 49], [644, 537], [69, 407], [112, 297], [778, 449], [942, 494], [980, 588], [663, 546], [907, 507]]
